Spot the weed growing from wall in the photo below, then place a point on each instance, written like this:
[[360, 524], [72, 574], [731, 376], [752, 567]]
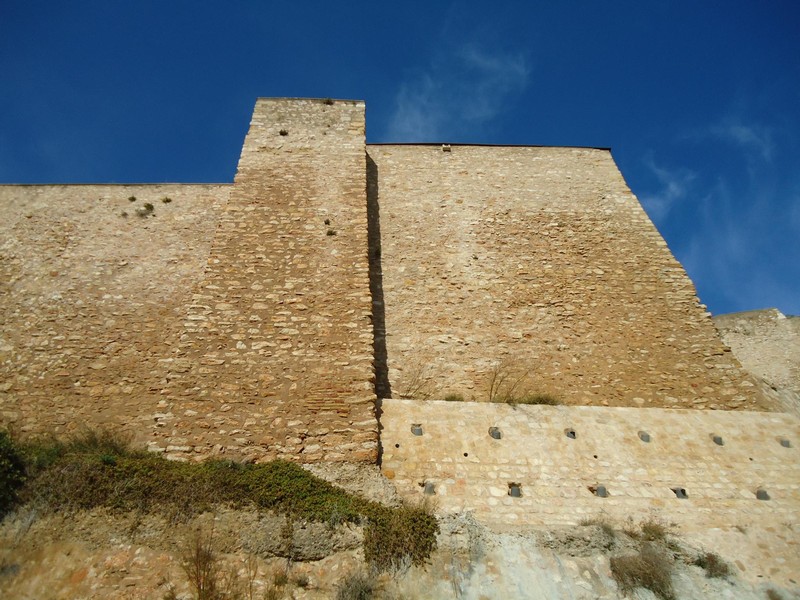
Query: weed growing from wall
[[417, 382], [510, 384], [453, 398]]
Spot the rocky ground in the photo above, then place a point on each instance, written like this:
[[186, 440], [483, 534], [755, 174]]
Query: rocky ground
[[96, 555]]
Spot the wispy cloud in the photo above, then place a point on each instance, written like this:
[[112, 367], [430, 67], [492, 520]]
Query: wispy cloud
[[461, 89], [741, 252], [674, 186], [750, 137], [734, 223]]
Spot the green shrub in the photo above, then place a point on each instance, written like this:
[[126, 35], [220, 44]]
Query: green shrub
[[12, 473], [404, 533], [98, 469]]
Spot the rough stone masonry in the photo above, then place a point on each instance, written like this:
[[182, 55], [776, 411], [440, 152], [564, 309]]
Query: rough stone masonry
[[264, 319]]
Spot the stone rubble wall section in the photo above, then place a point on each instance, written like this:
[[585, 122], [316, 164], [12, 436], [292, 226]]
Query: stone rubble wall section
[[275, 356], [539, 262], [767, 343], [90, 296], [469, 470]]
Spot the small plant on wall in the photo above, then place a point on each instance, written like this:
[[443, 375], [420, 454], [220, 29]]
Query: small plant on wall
[[417, 382], [510, 384], [453, 398], [146, 210]]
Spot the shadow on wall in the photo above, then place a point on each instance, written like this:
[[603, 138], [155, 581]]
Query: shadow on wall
[[382, 387]]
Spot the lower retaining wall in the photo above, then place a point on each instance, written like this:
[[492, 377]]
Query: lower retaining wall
[[561, 458]]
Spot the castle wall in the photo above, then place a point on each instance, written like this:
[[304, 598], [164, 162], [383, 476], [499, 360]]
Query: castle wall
[[91, 294], [469, 470], [257, 320], [275, 355], [537, 264]]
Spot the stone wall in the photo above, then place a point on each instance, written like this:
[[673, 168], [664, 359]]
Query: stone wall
[[537, 262], [91, 294], [228, 320], [559, 455], [767, 343], [258, 320], [275, 356]]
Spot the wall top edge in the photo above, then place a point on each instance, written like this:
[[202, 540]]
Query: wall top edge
[[120, 185], [564, 409], [457, 145], [299, 99]]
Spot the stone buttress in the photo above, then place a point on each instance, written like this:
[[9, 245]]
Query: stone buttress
[[275, 359]]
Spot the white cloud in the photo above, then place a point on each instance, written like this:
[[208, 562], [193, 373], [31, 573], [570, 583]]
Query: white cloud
[[740, 250], [461, 89], [750, 137], [674, 187]]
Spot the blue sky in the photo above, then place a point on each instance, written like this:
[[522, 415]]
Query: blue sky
[[699, 101]]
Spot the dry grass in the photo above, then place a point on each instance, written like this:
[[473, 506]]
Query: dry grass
[[651, 530], [713, 564], [654, 531], [357, 586], [650, 568], [510, 384], [605, 526], [202, 568], [417, 382], [535, 398], [453, 398]]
